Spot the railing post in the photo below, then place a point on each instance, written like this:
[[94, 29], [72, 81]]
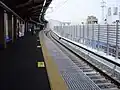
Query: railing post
[[83, 34], [57, 29], [63, 31], [60, 27], [107, 39], [92, 35], [60, 30], [71, 32], [98, 37], [68, 31], [87, 35], [117, 22], [80, 33], [74, 34]]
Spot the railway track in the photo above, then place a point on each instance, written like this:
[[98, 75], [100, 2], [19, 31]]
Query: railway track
[[100, 79]]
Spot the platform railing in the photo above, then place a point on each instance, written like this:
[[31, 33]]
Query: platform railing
[[104, 64], [105, 38]]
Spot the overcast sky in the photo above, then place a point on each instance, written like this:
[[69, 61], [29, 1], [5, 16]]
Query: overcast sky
[[74, 10]]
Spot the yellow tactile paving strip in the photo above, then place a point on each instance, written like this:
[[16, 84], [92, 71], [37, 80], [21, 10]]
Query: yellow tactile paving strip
[[55, 79]]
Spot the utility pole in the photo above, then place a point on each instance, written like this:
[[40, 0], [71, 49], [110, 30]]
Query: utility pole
[[103, 5]]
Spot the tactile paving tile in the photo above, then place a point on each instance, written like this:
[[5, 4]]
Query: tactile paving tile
[[73, 76]]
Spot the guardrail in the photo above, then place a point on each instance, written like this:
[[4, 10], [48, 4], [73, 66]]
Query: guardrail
[[118, 64], [104, 38]]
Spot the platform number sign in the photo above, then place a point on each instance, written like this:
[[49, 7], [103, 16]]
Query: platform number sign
[[40, 64]]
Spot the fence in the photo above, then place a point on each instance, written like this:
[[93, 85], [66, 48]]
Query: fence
[[104, 38]]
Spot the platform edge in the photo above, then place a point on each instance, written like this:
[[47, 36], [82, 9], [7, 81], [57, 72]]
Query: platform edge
[[55, 79]]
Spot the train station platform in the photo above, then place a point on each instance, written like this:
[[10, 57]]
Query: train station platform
[[35, 62]]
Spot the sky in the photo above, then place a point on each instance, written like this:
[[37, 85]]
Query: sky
[[75, 10]]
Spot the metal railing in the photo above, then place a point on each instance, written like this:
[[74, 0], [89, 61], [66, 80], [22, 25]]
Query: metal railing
[[105, 38]]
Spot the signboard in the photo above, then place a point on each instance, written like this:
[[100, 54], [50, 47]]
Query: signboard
[[40, 64]]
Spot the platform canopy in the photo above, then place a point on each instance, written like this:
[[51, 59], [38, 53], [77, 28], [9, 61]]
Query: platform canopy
[[29, 9]]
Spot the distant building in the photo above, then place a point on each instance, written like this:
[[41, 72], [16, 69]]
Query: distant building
[[112, 11], [92, 20], [113, 14]]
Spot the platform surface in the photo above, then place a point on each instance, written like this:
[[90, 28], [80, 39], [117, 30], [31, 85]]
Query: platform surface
[[18, 66]]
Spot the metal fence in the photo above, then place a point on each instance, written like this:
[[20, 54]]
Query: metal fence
[[104, 38]]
